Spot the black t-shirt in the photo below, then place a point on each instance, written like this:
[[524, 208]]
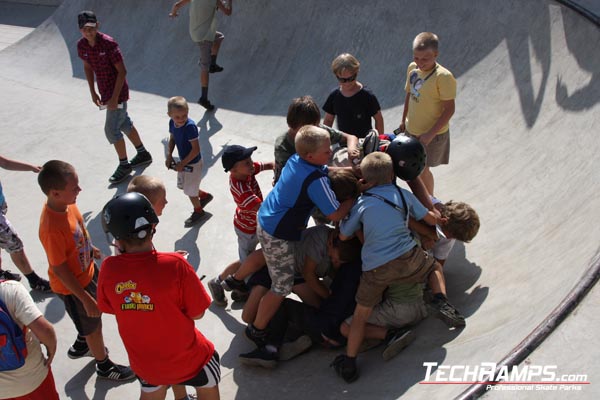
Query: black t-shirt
[[353, 114]]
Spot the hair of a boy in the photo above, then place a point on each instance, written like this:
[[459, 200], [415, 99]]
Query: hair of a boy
[[309, 139], [54, 174], [345, 61], [303, 111], [463, 221], [134, 241], [149, 186], [177, 103], [344, 184], [348, 250], [426, 41], [377, 168]]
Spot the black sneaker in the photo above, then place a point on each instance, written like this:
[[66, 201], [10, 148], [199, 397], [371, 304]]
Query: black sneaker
[[289, 350], [345, 367], [116, 373], [206, 199], [230, 283], [445, 311], [143, 158], [259, 357], [258, 336], [74, 354], [217, 292], [195, 217], [41, 285], [239, 296], [9, 276], [206, 104], [121, 173], [397, 341], [214, 68]]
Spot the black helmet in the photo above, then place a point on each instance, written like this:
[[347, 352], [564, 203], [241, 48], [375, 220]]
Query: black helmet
[[128, 216], [408, 156]]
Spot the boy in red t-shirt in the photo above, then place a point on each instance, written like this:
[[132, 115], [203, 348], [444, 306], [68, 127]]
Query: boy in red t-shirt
[[237, 160], [146, 289]]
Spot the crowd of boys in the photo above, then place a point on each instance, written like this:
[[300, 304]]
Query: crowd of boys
[[360, 273]]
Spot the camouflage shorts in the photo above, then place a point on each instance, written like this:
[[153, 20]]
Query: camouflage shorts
[[279, 255], [9, 240]]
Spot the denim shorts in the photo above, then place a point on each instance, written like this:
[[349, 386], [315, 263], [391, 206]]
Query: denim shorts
[[117, 122]]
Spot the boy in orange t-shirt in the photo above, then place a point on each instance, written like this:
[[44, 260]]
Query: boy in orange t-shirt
[[72, 270]]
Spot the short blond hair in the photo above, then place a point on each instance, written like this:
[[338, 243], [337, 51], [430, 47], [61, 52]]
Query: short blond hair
[[309, 139], [345, 61], [149, 186], [177, 103], [377, 168], [463, 221], [426, 41]]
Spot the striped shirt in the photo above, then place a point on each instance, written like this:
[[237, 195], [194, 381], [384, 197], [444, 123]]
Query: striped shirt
[[247, 196]]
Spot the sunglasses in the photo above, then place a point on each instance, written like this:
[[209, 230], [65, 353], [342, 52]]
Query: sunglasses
[[345, 80]]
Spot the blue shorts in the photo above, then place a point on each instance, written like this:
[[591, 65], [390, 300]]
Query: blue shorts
[[117, 122]]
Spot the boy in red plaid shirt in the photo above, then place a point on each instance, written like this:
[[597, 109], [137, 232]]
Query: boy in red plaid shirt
[[102, 58]]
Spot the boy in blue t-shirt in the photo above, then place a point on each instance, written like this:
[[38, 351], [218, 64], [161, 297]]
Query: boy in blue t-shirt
[[184, 135], [284, 215]]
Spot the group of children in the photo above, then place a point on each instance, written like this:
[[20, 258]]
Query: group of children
[[360, 272]]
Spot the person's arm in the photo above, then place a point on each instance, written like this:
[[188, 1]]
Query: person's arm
[[268, 166], [447, 113], [342, 210], [44, 331], [418, 188], [432, 219], [312, 280], [175, 10], [226, 7], [89, 76], [404, 113], [170, 148], [64, 274], [121, 74], [379, 122], [14, 165], [328, 120], [191, 155], [351, 143]]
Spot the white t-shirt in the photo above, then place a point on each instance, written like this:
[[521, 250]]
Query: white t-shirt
[[23, 310]]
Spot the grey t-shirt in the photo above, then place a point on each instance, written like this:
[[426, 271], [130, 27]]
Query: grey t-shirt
[[313, 244]]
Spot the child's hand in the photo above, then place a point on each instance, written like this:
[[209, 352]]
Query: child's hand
[[402, 128], [91, 307], [96, 253], [363, 185], [96, 99]]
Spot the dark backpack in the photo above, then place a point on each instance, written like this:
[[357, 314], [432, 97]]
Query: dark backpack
[[13, 348]]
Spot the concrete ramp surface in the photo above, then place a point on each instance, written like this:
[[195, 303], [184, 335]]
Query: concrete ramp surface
[[525, 143]]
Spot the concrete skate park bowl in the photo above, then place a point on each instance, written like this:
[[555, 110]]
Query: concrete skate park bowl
[[524, 155]]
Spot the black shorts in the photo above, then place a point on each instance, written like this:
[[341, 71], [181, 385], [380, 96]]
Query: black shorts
[[74, 307], [209, 376], [262, 278]]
